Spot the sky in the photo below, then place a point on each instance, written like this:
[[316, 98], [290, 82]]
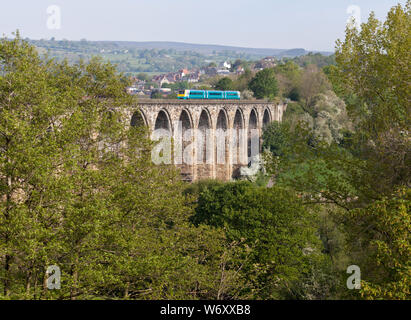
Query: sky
[[283, 24]]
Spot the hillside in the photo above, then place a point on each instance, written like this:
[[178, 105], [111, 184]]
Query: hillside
[[157, 57]]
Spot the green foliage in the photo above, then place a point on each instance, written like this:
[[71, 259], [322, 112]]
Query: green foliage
[[143, 76], [157, 95], [314, 58], [383, 230], [264, 84], [275, 138], [182, 85], [78, 190], [288, 76], [374, 63], [196, 188], [355, 168], [242, 81], [378, 59], [224, 84], [312, 83], [293, 111], [294, 94], [327, 117], [275, 229], [172, 96]]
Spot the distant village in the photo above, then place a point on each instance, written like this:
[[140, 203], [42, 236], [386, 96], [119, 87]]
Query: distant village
[[166, 85]]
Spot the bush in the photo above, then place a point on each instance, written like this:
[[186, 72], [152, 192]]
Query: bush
[[276, 232]]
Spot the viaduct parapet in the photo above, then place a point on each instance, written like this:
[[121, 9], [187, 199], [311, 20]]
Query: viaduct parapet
[[202, 119]]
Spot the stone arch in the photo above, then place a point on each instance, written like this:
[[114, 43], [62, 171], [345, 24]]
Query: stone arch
[[163, 121], [203, 136], [184, 153], [237, 151], [222, 151], [163, 133], [253, 137], [204, 150], [138, 119], [187, 115], [267, 118]]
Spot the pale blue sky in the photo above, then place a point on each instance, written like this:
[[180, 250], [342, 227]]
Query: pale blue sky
[[313, 25]]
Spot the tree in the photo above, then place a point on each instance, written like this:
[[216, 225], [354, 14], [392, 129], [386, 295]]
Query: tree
[[241, 83], [373, 66], [386, 267], [275, 138], [237, 63], [365, 177], [288, 76], [157, 95], [275, 231], [143, 76], [224, 84], [294, 94], [264, 84], [313, 82], [78, 190]]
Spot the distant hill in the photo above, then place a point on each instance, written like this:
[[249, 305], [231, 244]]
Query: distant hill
[[157, 57], [210, 48], [202, 48]]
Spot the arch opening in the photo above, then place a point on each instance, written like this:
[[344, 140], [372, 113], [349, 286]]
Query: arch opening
[[266, 118], [162, 121], [184, 150], [222, 146], [253, 144], [203, 138], [137, 120], [238, 152]]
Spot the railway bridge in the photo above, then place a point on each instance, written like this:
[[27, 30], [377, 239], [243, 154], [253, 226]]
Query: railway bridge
[[208, 138]]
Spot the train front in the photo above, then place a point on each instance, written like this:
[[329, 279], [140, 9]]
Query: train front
[[183, 94]]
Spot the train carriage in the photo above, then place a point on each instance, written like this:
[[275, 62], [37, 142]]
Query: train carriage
[[209, 95]]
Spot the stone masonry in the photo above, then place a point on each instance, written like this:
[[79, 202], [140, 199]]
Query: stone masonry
[[235, 118]]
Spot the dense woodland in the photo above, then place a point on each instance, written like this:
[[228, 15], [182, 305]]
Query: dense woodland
[[78, 189]]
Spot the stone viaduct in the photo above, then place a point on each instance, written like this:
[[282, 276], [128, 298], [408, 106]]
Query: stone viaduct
[[239, 118]]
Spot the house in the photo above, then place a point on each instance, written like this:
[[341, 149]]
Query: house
[[269, 59], [239, 70], [268, 62], [210, 71], [132, 90], [193, 77], [227, 65], [223, 72], [183, 72], [161, 79]]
